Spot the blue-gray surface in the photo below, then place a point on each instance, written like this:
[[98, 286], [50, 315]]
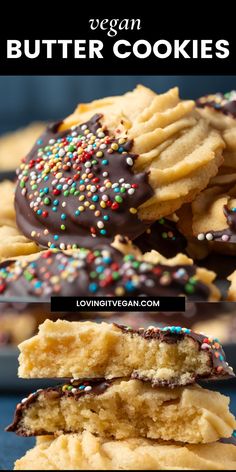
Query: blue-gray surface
[[29, 98], [13, 447]]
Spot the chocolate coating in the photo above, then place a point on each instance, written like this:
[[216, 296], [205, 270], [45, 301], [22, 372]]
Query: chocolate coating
[[227, 235], [96, 387], [224, 103], [231, 440], [219, 368], [104, 271], [77, 188], [164, 237]]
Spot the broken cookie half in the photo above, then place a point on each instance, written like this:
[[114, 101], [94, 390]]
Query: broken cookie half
[[125, 408], [88, 452], [170, 356]]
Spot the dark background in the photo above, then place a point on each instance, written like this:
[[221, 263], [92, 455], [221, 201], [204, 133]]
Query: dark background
[[30, 98]]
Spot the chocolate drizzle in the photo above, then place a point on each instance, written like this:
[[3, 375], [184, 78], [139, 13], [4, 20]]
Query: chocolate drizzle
[[164, 237], [77, 188], [224, 103], [219, 368], [104, 271], [73, 389]]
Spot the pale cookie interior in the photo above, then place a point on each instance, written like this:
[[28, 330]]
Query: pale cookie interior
[[86, 349], [207, 208], [226, 125], [125, 246], [131, 408], [14, 244]]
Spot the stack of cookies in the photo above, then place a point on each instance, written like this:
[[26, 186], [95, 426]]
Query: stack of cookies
[[129, 401]]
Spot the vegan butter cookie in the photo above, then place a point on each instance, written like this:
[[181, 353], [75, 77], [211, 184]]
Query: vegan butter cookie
[[106, 271], [88, 452], [124, 408], [114, 167], [12, 242], [209, 222], [170, 356]]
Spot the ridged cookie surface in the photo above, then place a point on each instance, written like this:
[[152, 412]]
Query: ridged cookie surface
[[116, 163], [87, 452], [119, 271], [209, 222]]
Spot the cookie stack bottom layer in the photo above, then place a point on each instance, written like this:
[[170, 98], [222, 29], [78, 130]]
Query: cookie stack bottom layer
[[88, 452]]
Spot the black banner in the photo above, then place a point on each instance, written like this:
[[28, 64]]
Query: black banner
[[94, 304], [98, 43]]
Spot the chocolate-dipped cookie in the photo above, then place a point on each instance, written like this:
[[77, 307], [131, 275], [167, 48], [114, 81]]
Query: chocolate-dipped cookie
[[125, 408], [78, 186], [209, 222], [114, 169], [169, 356], [219, 102], [104, 271]]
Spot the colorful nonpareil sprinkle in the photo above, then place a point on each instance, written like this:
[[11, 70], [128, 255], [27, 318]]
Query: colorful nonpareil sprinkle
[[76, 388], [224, 103], [102, 271], [174, 334], [79, 185]]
